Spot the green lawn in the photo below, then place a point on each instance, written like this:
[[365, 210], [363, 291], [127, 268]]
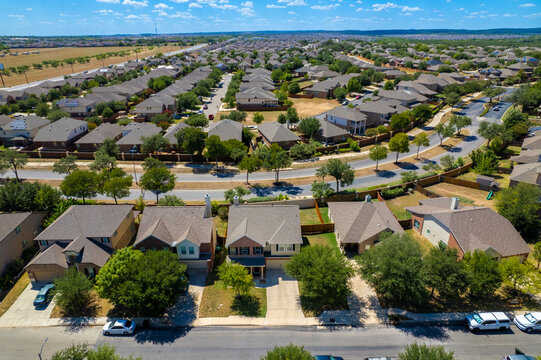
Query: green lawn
[[221, 226], [325, 214], [309, 216]]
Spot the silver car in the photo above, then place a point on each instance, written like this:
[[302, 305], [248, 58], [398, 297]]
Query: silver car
[[528, 322], [119, 327]]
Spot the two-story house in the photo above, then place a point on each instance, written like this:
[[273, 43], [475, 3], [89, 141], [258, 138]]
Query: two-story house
[[84, 236], [263, 236]]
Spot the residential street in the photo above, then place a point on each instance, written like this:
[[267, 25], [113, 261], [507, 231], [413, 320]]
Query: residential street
[[250, 343], [214, 105]]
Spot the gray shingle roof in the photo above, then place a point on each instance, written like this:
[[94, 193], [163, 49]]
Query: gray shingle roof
[[329, 130], [226, 129], [527, 157], [8, 222], [527, 173], [265, 224], [136, 132], [347, 113], [99, 134], [59, 130], [51, 256], [276, 132]]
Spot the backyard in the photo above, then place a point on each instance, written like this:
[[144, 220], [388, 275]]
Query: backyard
[[467, 196], [398, 205]]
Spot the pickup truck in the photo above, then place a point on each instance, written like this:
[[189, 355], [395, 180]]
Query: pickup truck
[[488, 321]]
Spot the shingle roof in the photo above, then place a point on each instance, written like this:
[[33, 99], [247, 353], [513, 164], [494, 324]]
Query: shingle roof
[[173, 224], [52, 255], [89, 251], [226, 129], [532, 142], [86, 220], [59, 130], [276, 132], [136, 132], [99, 134], [357, 222], [527, 173], [173, 130], [265, 224], [329, 130], [8, 222], [347, 113], [527, 157]]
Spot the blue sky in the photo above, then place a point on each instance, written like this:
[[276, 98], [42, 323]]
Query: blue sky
[[103, 17]]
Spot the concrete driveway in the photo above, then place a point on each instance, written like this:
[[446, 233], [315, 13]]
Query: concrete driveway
[[283, 307], [187, 309], [23, 312]]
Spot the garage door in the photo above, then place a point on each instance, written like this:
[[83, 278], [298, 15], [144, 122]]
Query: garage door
[[46, 275], [276, 263]]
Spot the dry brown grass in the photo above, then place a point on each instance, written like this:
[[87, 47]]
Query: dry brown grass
[[424, 244], [100, 308], [64, 53], [398, 205], [466, 195], [14, 293]]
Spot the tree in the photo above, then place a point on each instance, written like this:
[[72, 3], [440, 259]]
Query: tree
[[489, 130], [341, 171], [452, 99], [421, 140], [536, 254], [197, 120], [288, 352], [443, 131], [143, 284], [250, 164], [192, 140], [83, 352], [484, 275], [185, 101], [324, 274], [520, 206], [236, 276], [66, 165], [340, 93], [102, 161], [394, 269], [400, 144], [321, 189], [484, 161], [73, 292], [42, 109], [513, 271], [310, 127], [447, 162], [81, 184], [117, 187], [294, 88], [258, 118], [158, 180], [215, 147], [377, 153], [235, 149], [459, 122], [408, 176], [274, 158], [235, 115], [421, 113], [444, 273], [400, 121], [282, 119], [154, 143], [292, 116], [150, 163], [47, 198], [14, 160], [491, 92], [55, 115], [107, 113], [239, 192], [171, 200], [514, 117], [425, 352], [389, 85]]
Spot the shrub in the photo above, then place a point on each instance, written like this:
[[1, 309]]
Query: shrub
[[223, 213], [392, 193]]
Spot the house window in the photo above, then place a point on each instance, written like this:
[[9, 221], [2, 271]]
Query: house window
[[115, 233], [25, 243], [245, 251], [17, 230], [232, 251], [283, 247], [183, 250], [105, 240], [43, 242], [258, 250], [416, 224], [442, 243], [428, 231], [191, 250]]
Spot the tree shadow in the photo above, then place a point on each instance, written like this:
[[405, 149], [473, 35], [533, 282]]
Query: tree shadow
[[425, 332], [161, 336], [79, 319], [246, 305], [224, 173], [407, 166], [385, 174]]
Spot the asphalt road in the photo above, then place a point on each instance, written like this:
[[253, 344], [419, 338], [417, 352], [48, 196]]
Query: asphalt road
[[250, 343], [215, 103]]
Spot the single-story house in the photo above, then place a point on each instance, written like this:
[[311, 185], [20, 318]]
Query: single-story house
[[533, 141], [133, 134], [263, 236], [61, 134], [84, 236], [526, 173], [358, 225], [444, 221], [276, 133], [527, 157], [78, 108], [331, 133], [94, 139], [226, 129], [17, 232], [171, 133]]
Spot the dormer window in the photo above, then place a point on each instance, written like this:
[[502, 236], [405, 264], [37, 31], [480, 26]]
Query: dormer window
[[105, 240]]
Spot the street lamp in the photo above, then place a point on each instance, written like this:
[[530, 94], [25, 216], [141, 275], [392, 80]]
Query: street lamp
[[133, 151], [40, 350]]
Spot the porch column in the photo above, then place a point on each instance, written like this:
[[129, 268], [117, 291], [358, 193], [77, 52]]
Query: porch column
[[262, 273]]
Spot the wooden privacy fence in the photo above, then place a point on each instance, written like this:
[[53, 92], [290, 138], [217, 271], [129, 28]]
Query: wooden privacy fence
[[426, 192], [300, 96], [308, 229], [460, 182]]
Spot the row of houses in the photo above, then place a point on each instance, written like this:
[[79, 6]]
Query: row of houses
[[256, 91], [528, 168]]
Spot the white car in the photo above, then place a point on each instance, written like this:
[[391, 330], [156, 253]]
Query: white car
[[119, 327], [528, 322], [488, 321]]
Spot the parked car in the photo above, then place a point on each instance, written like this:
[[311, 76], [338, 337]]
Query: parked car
[[328, 357], [44, 296], [205, 107], [380, 358], [528, 322], [518, 355], [345, 102], [211, 117], [358, 97], [488, 321], [119, 327], [177, 116]]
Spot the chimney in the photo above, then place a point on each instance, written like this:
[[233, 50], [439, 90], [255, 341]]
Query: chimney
[[368, 198], [454, 203], [236, 201], [208, 208]]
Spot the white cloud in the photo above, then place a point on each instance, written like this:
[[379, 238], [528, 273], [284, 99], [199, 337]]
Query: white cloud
[[527, 5], [291, 12], [109, 1], [533, 15], [179, 1], [162, 6], [134, 3], [17, 16], [182, 15], [194, 5], [274, 6], [29, 9], [46, 22], [390, 5], [407, 8], [324, 7], [293, 2]]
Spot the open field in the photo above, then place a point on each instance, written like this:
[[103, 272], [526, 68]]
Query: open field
[[68, 52]]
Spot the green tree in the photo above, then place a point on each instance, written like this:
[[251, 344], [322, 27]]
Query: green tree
[[186, 101], [377, 153], [239, 192], [258, 118], [288, 352], [394, 269], [14, 160], [55, 115], [491, 92], [107, 113], [117, 187], [47, 197], [452, 99], [294, 88], [235, 149], [150, 163], [17, 196], [310, 127], [421, 113], [400, 144], [66, 165], [340, 93], [421, 140], [282, 119], [489, 131], [444, 273], [237, 277], [153, 144], [425, 352], [341, 171], [102, 161], [109, 147], [235, 115], [274, 158], [197, 120], [158, 180], [389, 85], [521, 207], [321, 189], [484, 161], [536, 254], [513, 271], [83, 352], [447, 162], [459, 122], [81, 184], [250, 164], [292, 116], [324, 275], [484, 275], [42, 109], [73, 292], [143, 284], [171, 200], [443, 131], [192, 140], [215, 147]]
